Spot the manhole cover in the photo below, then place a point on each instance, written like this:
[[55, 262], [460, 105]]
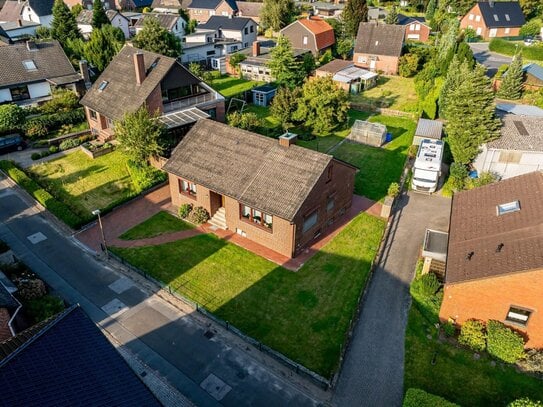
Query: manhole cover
[[215, 387]]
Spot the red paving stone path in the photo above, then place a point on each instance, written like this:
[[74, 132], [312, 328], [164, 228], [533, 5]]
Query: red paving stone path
[[127, 216]]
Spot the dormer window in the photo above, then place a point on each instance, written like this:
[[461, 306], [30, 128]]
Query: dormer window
[[507, 17], [30, 65], [103, 85], [496, 17], [509, 207]]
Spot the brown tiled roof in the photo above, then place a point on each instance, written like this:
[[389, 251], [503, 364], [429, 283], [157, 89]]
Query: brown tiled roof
[[253, 169], [335, 66], [165, 20], [476, 227], [379, 39], [173, 4], [48, 57], [11, 11], [122, 94], [324, 33], [249, 8], [521, 133]]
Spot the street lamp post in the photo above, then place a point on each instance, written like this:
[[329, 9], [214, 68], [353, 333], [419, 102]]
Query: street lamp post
[[97, 212]]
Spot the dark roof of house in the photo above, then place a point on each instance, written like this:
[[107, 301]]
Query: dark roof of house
[[432, 129], [225, 23], [11, 10], [477, 228], [249, 8], [70, 362], [42, 7], [48, 57], [533, 69], [122, 94], [380, 39], [142, 3], [335, 66], [521, 133], [502, 13], [6, 299], [253, 169], [404, 20], [173, 4], [211, 4], [165, 20]]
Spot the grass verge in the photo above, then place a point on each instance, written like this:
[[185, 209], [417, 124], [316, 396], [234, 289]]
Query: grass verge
[[156, 225]]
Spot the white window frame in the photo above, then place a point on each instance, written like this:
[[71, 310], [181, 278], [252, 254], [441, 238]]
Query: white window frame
[[517, 315], [477, 18]]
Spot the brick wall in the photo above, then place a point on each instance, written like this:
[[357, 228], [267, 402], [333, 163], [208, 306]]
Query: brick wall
[[224, 8], [154, 101], [386, 64], [423, 32], [491, 298], [5, 332]]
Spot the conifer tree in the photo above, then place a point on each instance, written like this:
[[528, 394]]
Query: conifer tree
[[63, 26], [457, 71], [392, 16], [99, 17], [276, 14], [431, 10], [511, 86], [355, 12], [285, 68]]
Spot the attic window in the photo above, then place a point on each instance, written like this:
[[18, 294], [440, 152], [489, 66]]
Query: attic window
[[508, 207], [103, 85], [496, 17], [507, 17], [30, 65]]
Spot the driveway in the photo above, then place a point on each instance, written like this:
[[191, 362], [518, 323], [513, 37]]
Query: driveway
[[200, 360], [490, 60], [372, 373]]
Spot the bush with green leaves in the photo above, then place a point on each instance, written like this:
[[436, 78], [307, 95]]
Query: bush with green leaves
[[425, 285], [458, 173], [484, 178], [393, 190], [198, 215], [503, 343], [473, 335], [144, 176], [449, 329], [420, 398], [247, 121], [408, 65], [427, 295], [12, 118], [35, 129], [525, 402], [531, 28], [470, 34], [70, 143], [40, 309], [185, 210], [53, 149], [63, 100], [35, 156]]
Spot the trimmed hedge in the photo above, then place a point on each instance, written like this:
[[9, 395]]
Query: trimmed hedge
[[54, 121], [427, 296], [57, 208], [504, 343], [473, 335], [505, 47], [420, 398]]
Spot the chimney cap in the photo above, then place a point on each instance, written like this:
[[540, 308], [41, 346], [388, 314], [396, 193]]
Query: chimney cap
[[287, 139]]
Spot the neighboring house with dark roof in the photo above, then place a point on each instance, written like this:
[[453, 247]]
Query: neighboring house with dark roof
[[9, 306], [492, 19], [249, 9], [325, 9], [38, 11], [518, 150], [311, 33], [20, 30], [11, 11], [174, 23], [169, 6], [495, 256], [203, 10], [116, 19], [378, 47], [347, 76], [29, 72], [428, 129], [416, 28], [242, 29], [68, 361], [270, 191], [136, 78], [4, 37]]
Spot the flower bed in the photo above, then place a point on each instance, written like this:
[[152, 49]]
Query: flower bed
[[97, 150]]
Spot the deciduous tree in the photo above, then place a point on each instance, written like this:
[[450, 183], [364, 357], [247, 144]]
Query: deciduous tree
[[344, 47], [276, 14], [355, 12], [285, 68], [155, 38], [12, 117], [284, 104]]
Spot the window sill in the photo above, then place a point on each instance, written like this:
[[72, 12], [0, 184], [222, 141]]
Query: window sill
[[191, 196], [262, 227]]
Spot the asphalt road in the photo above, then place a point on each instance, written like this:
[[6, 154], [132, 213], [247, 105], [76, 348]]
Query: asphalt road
[[372, 373], [491, 60], [192, 357]]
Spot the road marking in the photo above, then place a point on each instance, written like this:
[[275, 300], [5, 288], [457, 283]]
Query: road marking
[[121, 285], [215, 387], [114, 308], [36, 238]]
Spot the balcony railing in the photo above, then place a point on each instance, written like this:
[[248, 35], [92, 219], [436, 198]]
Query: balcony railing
[[191, 101]]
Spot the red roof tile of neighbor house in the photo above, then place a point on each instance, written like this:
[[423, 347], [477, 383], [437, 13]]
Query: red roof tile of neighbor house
[[324, 33], [484, 243]]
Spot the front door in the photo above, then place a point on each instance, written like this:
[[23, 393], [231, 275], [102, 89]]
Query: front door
[[372, 65], [492, 33], [222, 201]]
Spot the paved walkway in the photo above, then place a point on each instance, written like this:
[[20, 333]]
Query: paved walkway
[[133, 213], [372, 373]]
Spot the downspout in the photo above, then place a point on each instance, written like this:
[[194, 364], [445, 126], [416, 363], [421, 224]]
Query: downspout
[[293, 239], [10, 323]]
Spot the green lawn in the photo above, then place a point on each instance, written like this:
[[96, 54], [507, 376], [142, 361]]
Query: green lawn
[[85, 184], [393, 92], [230, 86], [379, 167], [156, 225], [456, 375], [303, 314]]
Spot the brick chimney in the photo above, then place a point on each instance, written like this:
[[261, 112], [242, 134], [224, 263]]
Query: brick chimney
[[256, 48], [139, 66], [288, 139], [84, 70]]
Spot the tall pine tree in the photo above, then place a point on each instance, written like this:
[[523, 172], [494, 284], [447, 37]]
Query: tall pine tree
[[455, 75], [431, 10], [63, 26], [471, 118], [392, 16], [355, 12], [99, 17], [285, 68], [511, 86]]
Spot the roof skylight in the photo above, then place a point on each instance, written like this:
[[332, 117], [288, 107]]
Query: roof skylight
[[508, 207], [30, 65], [103, 85]]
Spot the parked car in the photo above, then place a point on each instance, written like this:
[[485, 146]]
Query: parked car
[[12, 142]]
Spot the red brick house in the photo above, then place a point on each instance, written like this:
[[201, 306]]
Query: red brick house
[[311, 33], [494, 19], [202, 10], [378, 47], [136, 78], [270, 191], [416, 28], [495, 256]]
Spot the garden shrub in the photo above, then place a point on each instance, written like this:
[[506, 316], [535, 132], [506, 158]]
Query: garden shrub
[[12, 117], [35, 129], [70, 143], [57, 208], [425, 285], [45, 153], [458, 174], [412, 150], [30, 289], [420, 398], [449, 329], [185, 210], [63, 100], [503, 343], [408, 65], [53, 149], [473, 335], [40, 309], [531, 28], [484, 178], [525, 402], [247, 121], [55, 121], [144, 176], [427, 296], [533, 361], [393, 190], [505, 47], [199, 215], [35, 156]]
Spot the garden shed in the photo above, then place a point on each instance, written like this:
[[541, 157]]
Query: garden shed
[[262, 95], [372, 134]]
